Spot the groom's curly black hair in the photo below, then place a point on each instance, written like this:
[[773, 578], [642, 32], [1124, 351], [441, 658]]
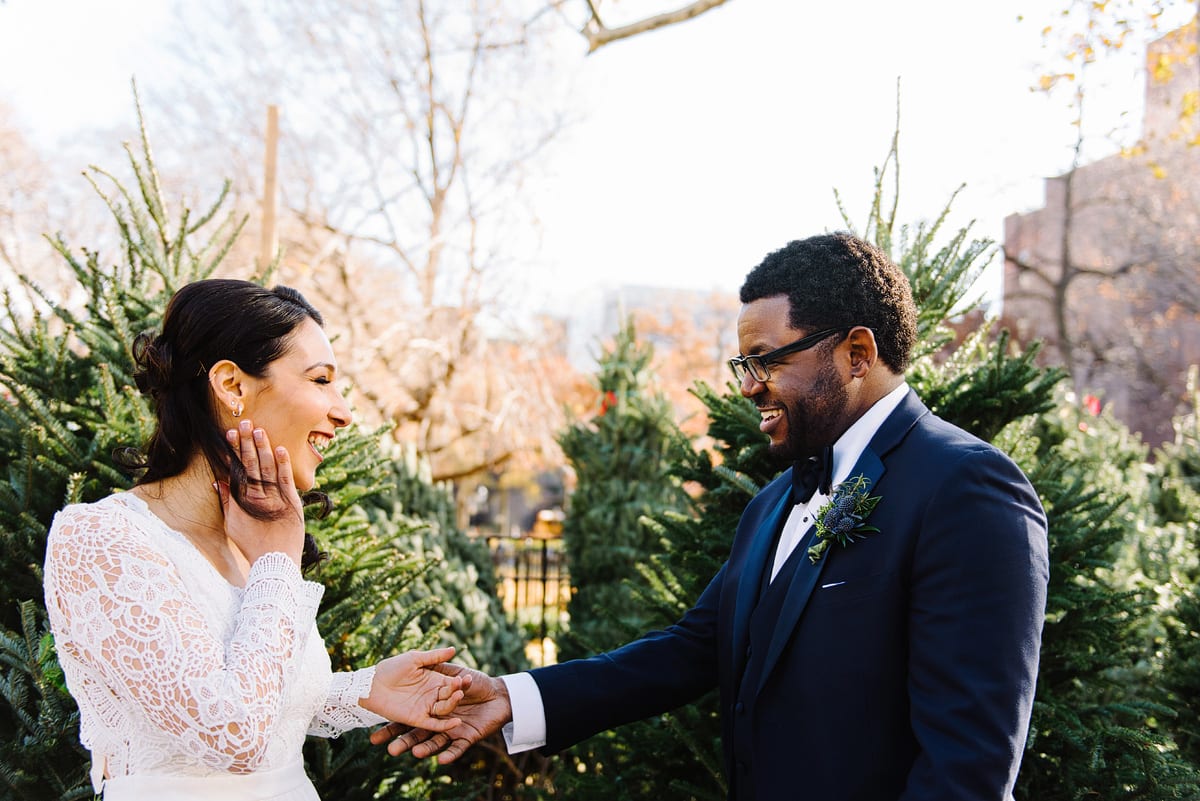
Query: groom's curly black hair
[[835, 280]]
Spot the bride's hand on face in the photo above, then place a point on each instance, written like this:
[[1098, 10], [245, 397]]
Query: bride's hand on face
[[270, 488]]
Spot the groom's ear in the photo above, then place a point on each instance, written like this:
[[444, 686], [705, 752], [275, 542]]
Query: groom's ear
[[864, 353]]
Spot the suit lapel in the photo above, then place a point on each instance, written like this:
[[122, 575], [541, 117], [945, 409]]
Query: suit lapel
[[869, 465], [750, 578]]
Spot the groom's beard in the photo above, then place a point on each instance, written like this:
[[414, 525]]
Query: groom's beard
[[813, 419]]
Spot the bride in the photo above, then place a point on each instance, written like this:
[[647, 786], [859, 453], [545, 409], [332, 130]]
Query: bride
[[183, 623]]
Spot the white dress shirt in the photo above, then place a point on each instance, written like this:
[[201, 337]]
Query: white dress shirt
[[846, 451], [528, 728]]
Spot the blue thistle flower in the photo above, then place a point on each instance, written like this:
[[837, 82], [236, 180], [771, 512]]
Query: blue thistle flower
[[843, 516]]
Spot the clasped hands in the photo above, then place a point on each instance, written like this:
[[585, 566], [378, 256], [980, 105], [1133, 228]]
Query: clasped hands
[[416, 689], [484, 707]]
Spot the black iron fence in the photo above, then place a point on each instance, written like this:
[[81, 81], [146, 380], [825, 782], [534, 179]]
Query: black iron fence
[[534, 587]]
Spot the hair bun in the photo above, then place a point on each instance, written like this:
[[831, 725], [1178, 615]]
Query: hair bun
[[152, 364]]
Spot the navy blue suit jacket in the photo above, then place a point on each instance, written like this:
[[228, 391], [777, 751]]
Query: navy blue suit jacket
[[901, 667]]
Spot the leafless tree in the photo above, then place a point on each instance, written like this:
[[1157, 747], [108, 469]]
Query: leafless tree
[[38, 197], [1105, 273], [22, 199], [409, 129]]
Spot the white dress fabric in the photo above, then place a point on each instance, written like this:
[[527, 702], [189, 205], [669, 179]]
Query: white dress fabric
[[189, 687]]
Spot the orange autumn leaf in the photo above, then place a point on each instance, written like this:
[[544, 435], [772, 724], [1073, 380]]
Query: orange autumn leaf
[[1162, 68], [1190, 103]]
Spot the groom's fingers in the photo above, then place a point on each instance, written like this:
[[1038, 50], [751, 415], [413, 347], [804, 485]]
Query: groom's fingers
[[400, 741], [453, 751], [434, 744], [384, 733], [421, 743], [404, 736]]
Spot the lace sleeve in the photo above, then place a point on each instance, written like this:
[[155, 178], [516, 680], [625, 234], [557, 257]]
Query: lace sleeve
[[341, 711], [119, 606]]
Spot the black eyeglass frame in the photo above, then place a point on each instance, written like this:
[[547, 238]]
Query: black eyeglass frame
[[754, 364]]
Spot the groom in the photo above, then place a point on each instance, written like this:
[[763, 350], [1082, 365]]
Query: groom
[[884, 650]]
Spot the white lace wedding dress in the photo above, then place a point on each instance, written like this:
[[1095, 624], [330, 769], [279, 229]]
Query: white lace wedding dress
[[189, 687]]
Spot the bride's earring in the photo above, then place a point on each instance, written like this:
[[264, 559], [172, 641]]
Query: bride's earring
[[237, 408]]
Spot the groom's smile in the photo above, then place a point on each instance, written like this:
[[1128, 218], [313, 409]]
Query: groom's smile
[[800, 396], [770, 418]]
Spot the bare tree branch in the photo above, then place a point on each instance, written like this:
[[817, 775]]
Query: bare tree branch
[[598, 34]]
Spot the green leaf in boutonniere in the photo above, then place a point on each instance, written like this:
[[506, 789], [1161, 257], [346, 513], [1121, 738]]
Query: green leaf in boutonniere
[[841, 520]]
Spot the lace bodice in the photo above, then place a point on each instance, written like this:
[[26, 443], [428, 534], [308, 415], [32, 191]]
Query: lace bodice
[[176, 671]]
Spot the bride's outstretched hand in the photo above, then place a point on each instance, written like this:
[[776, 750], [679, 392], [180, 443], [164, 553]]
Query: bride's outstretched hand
[[408, 688]]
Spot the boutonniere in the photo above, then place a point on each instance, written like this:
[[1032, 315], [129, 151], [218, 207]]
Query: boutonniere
[[841, 519]]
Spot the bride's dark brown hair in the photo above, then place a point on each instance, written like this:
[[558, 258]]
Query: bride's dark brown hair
[[205, 322]]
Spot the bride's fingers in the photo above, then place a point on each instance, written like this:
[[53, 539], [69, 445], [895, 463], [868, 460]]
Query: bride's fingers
[[286, 481], [265, 456], [443, 707], [243, 440], [268, 470], [442, 724], [433, 657]]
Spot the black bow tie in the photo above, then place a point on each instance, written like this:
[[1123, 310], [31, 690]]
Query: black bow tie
[[811, 474]]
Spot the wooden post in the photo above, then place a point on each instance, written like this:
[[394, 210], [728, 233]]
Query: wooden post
[[270, 240]]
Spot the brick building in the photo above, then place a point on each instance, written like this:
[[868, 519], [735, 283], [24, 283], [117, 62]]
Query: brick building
[[1107, 273]]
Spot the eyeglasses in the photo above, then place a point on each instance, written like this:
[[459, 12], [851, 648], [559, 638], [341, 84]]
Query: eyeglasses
[[756, 365]]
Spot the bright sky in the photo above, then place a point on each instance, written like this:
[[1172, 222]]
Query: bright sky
[[704, 146]]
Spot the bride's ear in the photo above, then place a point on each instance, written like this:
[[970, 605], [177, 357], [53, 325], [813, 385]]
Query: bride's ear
[[228, 385]]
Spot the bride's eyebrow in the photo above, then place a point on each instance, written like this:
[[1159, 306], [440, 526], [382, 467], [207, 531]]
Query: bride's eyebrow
[[319, 365]]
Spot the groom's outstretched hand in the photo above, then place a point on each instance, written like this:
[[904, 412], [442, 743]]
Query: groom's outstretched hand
[[484, 708]]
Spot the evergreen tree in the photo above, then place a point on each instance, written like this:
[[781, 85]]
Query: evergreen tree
[[622, 458], [1099, 729], [1181, 673], [1177, 503], [412, 522], [470, 608]]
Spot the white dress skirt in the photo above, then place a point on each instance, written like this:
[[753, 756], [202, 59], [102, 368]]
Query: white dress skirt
[[189, 687], [288, 783]]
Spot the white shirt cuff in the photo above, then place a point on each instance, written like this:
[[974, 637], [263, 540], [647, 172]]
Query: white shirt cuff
[[528, 728]]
